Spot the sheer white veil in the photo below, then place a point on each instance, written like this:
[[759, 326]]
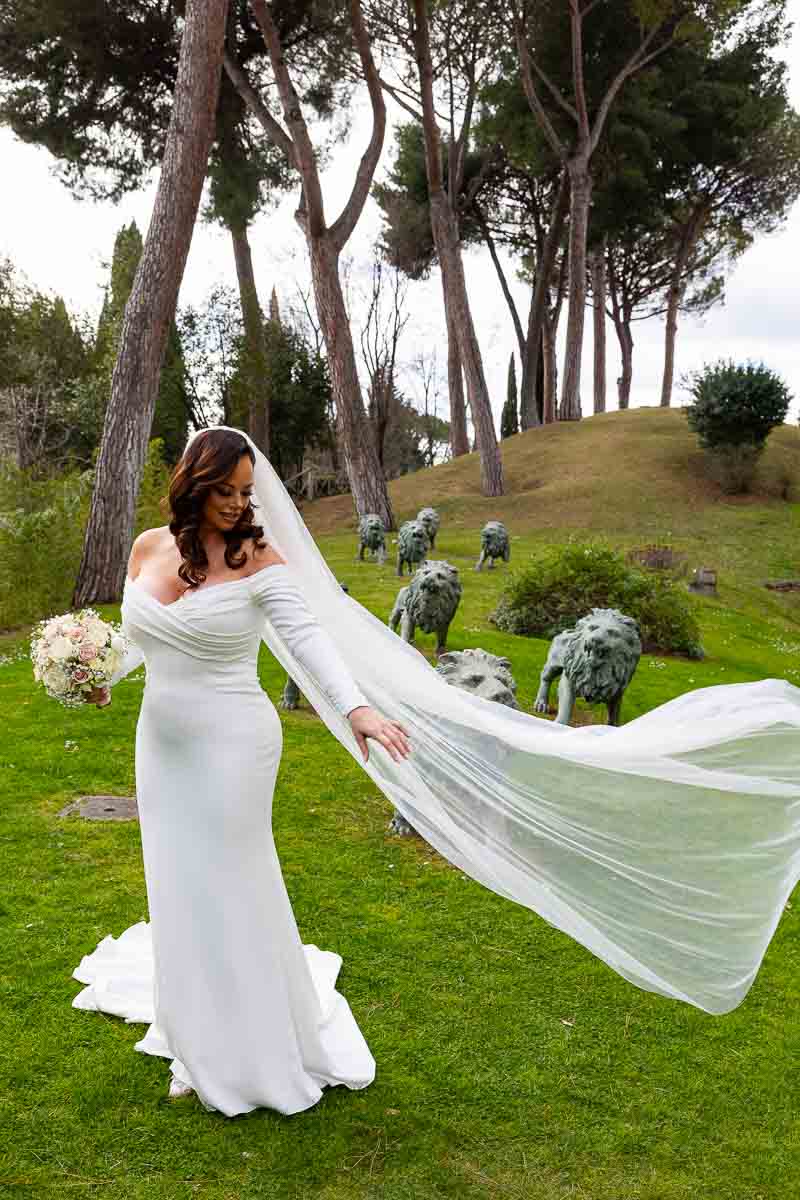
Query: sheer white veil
[[668, 847]]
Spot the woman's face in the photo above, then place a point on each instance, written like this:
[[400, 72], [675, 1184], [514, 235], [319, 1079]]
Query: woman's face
[[226, 501]]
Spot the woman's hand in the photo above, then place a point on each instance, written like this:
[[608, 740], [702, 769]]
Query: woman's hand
[[100, 696], [365, 723]]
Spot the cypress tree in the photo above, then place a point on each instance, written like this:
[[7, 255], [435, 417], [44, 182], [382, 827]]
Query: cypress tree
[[509, 421]]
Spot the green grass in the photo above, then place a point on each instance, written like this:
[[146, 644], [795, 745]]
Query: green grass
[[512, 1065]]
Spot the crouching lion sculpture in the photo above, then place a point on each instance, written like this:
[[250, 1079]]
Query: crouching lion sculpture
[[372, 537], [429, 601], [596, 661]]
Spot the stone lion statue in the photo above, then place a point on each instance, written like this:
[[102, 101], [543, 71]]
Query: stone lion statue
[[372, 537], [430, 521], [596, 661], [429, 602], [412, 545], [290, 696], [475, 671], [494, 544]]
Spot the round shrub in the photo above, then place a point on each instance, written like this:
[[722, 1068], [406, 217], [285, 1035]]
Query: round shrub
[[562, 583], [734, 405]]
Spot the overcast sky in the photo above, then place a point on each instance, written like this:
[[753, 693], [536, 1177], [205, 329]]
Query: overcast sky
[[61, 245]]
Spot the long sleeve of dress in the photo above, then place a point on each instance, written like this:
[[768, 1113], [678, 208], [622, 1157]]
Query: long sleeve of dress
[[134, 658], [275, 591]]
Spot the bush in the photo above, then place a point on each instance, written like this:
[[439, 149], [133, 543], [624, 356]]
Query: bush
[[733, 467], [41, 538], [42, 523], [562, 584], [735, 406]]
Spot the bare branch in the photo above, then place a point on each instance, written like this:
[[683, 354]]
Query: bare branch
[[272, 128], [512, 308], [554, 92], [345, 223], [305, 157], [636, 61], [529, 87]]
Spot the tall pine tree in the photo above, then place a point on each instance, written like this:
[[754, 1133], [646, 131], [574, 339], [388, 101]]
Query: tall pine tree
[[509, 421]]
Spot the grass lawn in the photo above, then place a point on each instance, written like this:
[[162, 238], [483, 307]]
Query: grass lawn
[[512, 1065]]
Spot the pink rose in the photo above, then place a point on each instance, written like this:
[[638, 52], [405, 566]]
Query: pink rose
[[87, 651], [75, 634], [80, 674]]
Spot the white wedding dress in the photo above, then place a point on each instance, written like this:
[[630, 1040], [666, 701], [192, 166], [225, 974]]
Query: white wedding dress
[[249, 1015]]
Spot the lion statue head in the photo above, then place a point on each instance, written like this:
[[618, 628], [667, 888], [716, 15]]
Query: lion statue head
[[601, 653], [412, 541], [480, 672], [433, 594], [429, 520], [371, 531], [494, 538]]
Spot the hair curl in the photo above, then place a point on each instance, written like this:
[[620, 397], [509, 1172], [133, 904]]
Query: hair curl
[[206, 462]]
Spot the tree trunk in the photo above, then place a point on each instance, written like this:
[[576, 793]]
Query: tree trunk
[[580, 196], [151, 306], [459, 442], [255, 346], [448, 250], [537, 314], [674, 297], [367, 481], [690, 232], [625, 339], [598, 264], [550, 371]]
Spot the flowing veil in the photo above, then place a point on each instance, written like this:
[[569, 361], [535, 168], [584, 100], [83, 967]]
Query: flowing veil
[[667, 846]]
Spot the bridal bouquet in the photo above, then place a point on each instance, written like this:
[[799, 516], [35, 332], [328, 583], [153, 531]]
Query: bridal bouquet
[[74, 653]]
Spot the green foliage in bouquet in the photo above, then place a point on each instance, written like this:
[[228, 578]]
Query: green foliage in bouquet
[[563, 583]]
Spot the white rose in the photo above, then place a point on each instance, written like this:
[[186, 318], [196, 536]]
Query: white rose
[[60, 647], [117, 644], [97, 632]]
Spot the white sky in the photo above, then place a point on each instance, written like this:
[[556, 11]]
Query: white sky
[[61, 244]]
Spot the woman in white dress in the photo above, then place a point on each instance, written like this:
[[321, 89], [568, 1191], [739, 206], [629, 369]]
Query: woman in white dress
[[247, 1014], [668, 846]]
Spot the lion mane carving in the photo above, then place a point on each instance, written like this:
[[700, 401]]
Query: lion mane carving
[[372, 537], [430, 521], [494, 544], [412, 545], [596, 661], [478, 671], [429, 601]]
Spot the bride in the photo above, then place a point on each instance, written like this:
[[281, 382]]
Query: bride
[[668, 846], [248, 1015]]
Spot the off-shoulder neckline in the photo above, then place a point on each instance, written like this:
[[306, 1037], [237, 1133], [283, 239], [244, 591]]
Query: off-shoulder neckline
[[207, 588]]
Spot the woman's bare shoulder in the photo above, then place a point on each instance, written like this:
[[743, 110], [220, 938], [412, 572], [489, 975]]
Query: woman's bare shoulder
[[149, 541], [265, 556]]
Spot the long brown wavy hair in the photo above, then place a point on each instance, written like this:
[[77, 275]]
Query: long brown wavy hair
[[206, 462]]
